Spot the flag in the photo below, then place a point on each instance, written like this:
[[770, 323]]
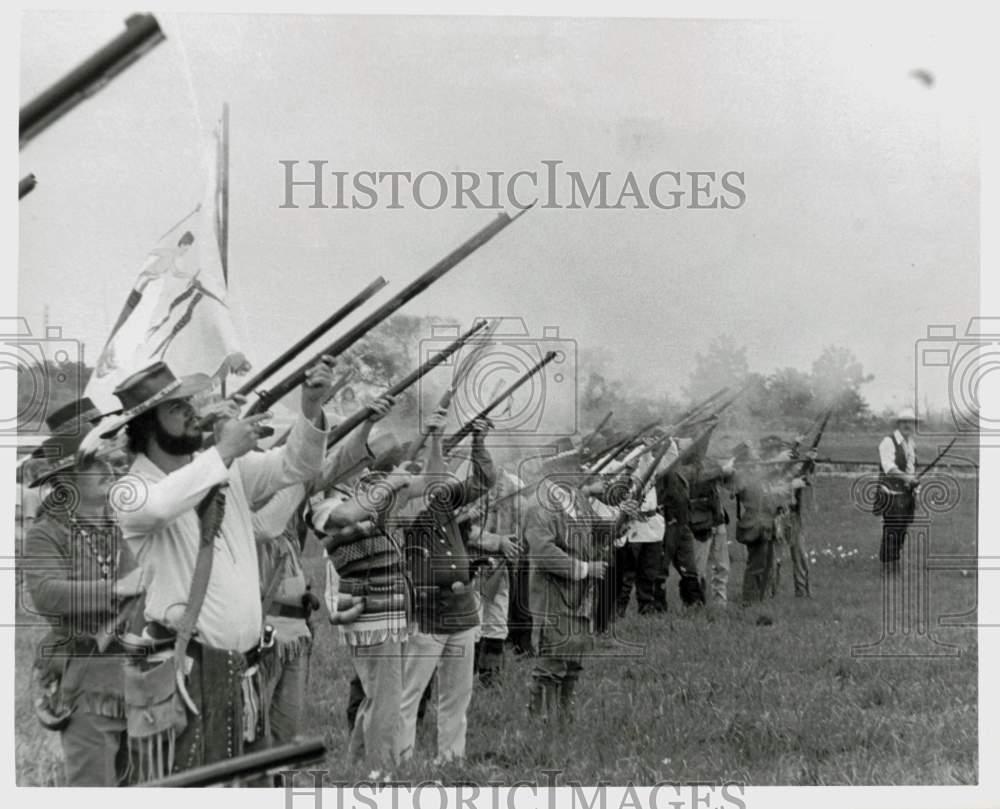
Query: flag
[[177, 310]]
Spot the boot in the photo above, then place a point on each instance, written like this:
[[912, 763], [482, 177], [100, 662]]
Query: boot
[[567, 703], [490, 661], [543, 699]]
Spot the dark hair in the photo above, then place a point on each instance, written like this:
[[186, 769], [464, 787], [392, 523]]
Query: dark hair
[[140, 430]]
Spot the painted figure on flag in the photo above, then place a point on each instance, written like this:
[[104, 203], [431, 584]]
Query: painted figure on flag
[[177, 310]]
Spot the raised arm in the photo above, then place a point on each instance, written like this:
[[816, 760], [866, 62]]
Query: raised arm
[[157, 504], [353, 452], [482, 473], [301, 459], [271, 519]]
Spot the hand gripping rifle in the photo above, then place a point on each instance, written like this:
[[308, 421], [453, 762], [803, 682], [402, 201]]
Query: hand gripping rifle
[[352, 421], [339, 346], [454, 440], [445, 401]]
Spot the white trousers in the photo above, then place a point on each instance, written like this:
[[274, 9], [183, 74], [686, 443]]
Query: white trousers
[[452, 655], [712, 559]]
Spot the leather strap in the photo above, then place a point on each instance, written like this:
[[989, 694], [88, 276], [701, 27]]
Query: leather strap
[[210, 511]]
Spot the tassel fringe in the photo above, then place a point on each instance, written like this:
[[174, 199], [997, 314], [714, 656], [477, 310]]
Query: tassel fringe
[[152, 757]]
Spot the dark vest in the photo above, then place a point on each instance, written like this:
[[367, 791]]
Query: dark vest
[[706, 510], [894, 484]]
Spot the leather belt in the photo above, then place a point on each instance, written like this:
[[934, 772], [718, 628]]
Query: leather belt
[[162, 637], [288, 611]]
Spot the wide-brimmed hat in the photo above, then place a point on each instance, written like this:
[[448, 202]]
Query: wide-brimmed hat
[[906, 414], [150, 387], [68, 426]]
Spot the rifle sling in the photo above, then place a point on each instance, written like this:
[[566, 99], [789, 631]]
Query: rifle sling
[[210, 511]]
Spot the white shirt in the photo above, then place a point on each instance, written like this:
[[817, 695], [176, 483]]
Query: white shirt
[[887, 454], [651, 529], [270, 520], [163, 532]]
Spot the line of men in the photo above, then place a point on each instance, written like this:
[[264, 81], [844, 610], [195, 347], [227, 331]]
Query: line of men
[[182, 617]]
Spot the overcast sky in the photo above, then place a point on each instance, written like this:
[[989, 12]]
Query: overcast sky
[[860, 226]]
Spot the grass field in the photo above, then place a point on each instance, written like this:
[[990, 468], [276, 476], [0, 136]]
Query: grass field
[[712, 699]]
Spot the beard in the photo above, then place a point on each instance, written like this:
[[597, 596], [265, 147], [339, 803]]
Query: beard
[[177, 444]]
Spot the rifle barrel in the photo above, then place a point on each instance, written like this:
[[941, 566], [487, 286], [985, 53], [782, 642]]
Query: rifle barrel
[[286, 356], [341, 345], [612, 452], [142, 33], [354, 420], [703, 403], [594, 433], [453, 441], [443, 403], [26, 185], [244, 766]]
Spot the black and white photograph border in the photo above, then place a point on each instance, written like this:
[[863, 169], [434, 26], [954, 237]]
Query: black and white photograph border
[[837, 310]]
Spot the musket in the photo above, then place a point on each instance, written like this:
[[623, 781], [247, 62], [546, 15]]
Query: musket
[[731, 399], [338, 385], [686, 420], [142, 33], [815, 442], [454, 440], [703, 403], [287, 356], [468, 515], [596, 431], [445, 401], [26, 185], [352, 421], [638, 487], [798, 439], [641, 484], [610, 453], [285, 756], [341, 345], [934, 463], [443, 404]]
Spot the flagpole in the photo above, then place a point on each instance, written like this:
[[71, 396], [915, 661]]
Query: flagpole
[[223, 203]]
